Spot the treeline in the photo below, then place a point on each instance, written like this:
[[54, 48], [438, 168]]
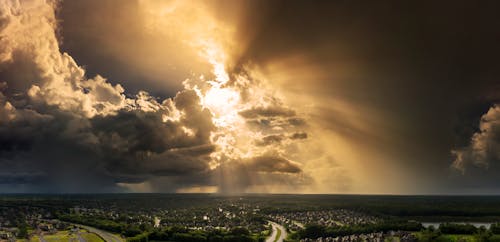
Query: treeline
[[481, 234], [143, 233], [454, 228], [314, 231], [473, 208], [128, 230], [180, 234]]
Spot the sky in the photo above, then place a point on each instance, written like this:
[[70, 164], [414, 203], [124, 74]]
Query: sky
[[350, 97]]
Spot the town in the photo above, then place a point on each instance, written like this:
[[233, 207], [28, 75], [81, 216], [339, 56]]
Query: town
[[197, 217]]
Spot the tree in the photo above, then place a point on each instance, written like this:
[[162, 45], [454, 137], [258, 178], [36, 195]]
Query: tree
[[313, 231], [429, 234], [23, 229], [240, 231]]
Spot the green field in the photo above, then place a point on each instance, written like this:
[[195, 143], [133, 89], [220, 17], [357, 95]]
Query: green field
[[450, 237], [392, 239], [59, 236], [91, 237], [278, 234], [33, 239], [65, 236]]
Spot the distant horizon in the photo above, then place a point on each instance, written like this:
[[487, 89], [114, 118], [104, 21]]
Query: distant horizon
[[263, 194]]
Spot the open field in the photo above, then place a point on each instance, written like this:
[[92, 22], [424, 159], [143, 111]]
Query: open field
[[91, 237], [60, 236]]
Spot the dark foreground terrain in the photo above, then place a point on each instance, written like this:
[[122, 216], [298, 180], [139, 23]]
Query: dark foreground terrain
[[251, 217]]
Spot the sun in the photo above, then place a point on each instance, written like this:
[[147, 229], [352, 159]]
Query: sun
[[223, 103], [221, 100]]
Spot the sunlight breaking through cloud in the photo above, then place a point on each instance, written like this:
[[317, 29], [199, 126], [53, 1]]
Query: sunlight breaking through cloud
[[208, 134]]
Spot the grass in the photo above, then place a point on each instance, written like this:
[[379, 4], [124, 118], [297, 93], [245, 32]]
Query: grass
[[59, 236], [278, 234], [65, 236], [450, 237], [457, 237], [392, 239], [91, 237], [34, 239]]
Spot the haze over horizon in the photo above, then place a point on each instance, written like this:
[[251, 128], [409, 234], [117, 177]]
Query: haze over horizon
[[328, 97]]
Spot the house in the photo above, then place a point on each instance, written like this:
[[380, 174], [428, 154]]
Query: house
[[5, 235], [46, 227]]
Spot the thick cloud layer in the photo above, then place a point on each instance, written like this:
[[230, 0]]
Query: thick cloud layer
[[272, 96], [61, 131], [58, 124]]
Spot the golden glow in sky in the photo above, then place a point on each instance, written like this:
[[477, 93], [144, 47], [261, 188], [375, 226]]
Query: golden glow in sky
[[229, 118], [327, 161]]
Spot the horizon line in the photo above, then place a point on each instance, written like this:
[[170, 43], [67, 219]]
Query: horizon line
[[255, 194]]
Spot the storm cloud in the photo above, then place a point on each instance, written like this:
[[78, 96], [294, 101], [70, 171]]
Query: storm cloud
[[484, 148], [65, 132], [249, 96], [56, 124]]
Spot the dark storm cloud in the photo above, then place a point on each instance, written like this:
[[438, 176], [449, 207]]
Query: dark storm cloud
[[264, 170], [61, 131], [268, 124], [240, 177], [415, 78], [278, 138], [130, 146], [267, 112], [270, 139], [299, 135], [140, 131], [21, 178], [141, 143], [408, 69], [484, 148], [269, 163], [269, 118], [64, 132]]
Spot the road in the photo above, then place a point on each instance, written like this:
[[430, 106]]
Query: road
[[42, 239], [274, 235], [299, 224], [107, 236], [79, 236]]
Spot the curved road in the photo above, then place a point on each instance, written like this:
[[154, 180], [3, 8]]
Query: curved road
[[274, 234], [79, 237], [107, 236], [42, 239]]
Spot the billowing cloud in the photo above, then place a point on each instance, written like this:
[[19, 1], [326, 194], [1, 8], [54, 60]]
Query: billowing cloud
[[158, 95], [484, 148], [55, 117], [64, 131]]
